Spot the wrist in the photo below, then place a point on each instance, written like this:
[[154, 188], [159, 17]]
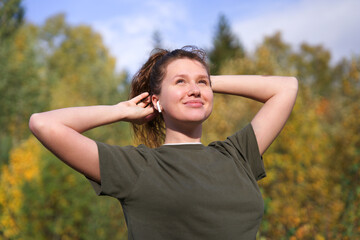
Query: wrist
[[216, 83], [119, 111]]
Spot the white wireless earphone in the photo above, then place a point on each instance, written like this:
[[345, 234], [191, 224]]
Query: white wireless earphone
[[158, 105]]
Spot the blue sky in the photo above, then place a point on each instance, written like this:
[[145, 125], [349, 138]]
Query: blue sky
[[127, 25]]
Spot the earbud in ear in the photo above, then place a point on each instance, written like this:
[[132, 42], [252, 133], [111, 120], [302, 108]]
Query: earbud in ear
[[158, 105]]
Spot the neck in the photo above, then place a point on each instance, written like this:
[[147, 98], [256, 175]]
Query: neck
[[181, 134]]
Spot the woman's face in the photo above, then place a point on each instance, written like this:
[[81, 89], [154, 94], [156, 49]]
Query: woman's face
[[186, 95]]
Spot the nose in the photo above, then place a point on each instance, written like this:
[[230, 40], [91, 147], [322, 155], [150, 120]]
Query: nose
[[194, 90]]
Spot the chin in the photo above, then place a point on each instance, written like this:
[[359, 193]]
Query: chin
[[199, 115], [197, 118]]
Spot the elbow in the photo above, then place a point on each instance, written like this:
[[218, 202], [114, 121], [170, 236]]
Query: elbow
[[292, 88], [293, 83], [290, 85], [36, 123]]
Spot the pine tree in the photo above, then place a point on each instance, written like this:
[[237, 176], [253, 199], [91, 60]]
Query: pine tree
[[226, 46], [157, 41]]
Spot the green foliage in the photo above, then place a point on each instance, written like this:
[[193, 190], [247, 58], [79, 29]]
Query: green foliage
[[22, 168], [11, 18], [312, 63], [81, 72], [21, 89], [226, 46], [60, 205], [49, 67], [345, 162], [311, 190]]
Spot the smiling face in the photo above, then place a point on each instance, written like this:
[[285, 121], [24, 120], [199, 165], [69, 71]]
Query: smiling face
[[186, 95]]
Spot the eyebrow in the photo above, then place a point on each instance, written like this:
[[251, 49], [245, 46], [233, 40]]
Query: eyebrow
[[198, 76]]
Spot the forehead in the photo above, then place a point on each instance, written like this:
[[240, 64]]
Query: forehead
[[185, 66]]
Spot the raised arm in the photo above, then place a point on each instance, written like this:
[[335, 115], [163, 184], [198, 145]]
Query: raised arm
[[60, 130], [277, 93]]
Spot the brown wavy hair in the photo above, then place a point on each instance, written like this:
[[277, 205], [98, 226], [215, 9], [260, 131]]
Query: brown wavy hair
[[149, 79]]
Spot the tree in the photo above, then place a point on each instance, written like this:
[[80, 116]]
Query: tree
[[21, 88], [157, 41], [226, 46], [313, 65], [22, 168], [75, 69], [62, 205], [344, 164], [311, 189], [11, 18], [82, 72]]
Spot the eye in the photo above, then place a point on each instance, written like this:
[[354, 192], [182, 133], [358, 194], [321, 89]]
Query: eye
[[203, 81], [179, 81]]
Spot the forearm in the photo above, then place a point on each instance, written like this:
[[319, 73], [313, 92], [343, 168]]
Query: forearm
[[260, 88], [79, 119], [60, 132], [277, 93]]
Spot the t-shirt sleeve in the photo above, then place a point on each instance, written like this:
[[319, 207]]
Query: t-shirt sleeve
[[120, 168], [246, 144]]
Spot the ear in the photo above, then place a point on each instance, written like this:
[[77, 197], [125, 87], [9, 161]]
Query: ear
[[154, 101]]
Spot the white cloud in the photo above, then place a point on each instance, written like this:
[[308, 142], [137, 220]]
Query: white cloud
[[129, 36], [332, 23]]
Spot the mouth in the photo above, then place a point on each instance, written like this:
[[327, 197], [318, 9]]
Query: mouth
[[194, 103]]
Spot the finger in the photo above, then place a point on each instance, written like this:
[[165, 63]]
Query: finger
[[145, 102], [145, 110], [147, 99], [139, 97], [150, 109]]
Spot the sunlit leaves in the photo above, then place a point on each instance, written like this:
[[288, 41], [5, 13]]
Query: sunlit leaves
[[22, 168], [311, 190]]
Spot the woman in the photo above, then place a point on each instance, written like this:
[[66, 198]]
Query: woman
[[179, 188]]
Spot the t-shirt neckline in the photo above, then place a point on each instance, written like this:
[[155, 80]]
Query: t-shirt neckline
[[185, 143]]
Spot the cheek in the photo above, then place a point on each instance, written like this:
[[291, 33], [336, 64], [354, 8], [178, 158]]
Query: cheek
[[175, 94], [211, 104], [170, 98], [209, 96]]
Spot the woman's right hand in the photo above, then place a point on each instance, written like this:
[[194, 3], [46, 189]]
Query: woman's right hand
[[138, 110]]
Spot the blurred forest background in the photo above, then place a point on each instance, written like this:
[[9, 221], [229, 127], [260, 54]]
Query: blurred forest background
[[312, 188]]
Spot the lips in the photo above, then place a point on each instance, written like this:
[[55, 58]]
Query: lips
[[194, 103]]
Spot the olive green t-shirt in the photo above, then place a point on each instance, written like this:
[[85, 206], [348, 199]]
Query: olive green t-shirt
[[187, 191]]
